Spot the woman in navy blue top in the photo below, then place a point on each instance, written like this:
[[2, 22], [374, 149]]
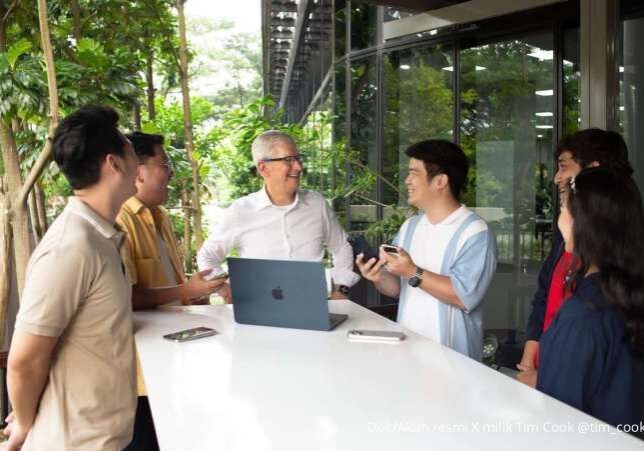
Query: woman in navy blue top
[[592, 354]]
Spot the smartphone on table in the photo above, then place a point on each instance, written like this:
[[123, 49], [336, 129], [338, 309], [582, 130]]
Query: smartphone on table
[[191, 334], [375, 336]]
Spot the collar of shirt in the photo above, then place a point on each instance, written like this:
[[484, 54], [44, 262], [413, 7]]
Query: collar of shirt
[[451, 219], [261, 199], [108, 230], [134, 204], [148, 214]]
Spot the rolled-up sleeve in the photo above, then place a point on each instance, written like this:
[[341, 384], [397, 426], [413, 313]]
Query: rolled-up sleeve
[[220, 242], [473, 269], [341, 252]]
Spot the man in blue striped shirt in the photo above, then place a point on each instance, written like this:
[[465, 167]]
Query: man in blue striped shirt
[[446, 256]]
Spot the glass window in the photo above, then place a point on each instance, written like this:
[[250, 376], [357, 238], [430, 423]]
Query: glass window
[[318, 146], [363, 25], [571, 82], [631, 84], [393, 13], [506, 130], [340, 26], [338, 176], [419, 105], [364, 153]]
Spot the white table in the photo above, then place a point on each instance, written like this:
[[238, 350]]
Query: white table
[[254, 388]]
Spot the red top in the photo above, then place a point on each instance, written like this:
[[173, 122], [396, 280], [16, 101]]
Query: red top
[[557, 293]]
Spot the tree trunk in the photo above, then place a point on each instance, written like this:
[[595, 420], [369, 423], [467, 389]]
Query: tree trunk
[[18, 214], [41, 208], [187, 238], [187, 123], [136, 111], [74, 7], [5, 264], [33, 216], [149, 78]]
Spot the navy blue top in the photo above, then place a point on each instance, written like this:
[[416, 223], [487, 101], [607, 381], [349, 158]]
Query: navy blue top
[[534, 328], [585, 359]]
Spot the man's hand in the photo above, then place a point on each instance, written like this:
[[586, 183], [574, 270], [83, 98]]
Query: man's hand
[[338, 295], [198, 285], [527, 375], [399, 264], [15, 432], [204, 300], [371, 269], [530, 351], [225, 292]]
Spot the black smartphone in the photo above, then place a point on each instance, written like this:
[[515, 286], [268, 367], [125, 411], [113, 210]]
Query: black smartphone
[[360, 245]]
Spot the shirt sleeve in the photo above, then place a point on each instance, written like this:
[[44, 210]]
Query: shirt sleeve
[[534, 327], [55, 288], [473, 269], [341, 252], [567, 367], [221, 241]]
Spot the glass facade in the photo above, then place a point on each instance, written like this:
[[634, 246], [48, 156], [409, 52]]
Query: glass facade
[[504, 98], [419, 103], [631, 83], [506, 126]]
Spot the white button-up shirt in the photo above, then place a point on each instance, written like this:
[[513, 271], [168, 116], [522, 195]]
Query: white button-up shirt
[[300, 231]]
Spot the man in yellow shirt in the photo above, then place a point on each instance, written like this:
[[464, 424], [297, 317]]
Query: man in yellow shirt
[[152, 257]]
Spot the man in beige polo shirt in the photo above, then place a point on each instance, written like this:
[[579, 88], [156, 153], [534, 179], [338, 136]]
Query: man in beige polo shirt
[[71, 373]]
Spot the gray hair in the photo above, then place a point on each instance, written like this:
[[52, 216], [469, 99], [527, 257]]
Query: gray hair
[[263, 145]]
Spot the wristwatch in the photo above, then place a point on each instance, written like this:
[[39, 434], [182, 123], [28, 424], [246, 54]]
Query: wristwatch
[[415, 280], [344, 290]]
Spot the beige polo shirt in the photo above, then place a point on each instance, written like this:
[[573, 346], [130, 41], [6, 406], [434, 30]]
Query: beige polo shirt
[[77, 290]]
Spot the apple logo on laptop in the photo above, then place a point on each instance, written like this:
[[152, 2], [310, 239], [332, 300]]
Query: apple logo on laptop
[[277, 293]]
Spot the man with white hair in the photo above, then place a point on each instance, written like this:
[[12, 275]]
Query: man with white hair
[[280, 221]]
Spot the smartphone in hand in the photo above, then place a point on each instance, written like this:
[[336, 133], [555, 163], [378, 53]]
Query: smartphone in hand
[[361, 246], [388, 248]]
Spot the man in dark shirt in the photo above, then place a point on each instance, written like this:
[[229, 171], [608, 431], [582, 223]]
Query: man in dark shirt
[[586, 148]]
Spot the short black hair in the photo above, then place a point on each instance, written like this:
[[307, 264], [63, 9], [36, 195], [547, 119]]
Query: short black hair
[[442, 157], [594, 144], [144, 143], [82, 141]]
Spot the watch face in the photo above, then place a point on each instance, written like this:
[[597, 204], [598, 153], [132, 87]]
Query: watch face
[[414, 281]]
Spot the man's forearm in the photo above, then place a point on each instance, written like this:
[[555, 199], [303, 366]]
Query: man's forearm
[[441, 288], [147, 298], [25, 383], [389, 285]]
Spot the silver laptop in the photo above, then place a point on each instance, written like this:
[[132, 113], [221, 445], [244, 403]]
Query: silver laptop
[[281, 293]]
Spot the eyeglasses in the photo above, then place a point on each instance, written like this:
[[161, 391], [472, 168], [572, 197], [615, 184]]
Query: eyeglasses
[[289, 160], [166, 164]]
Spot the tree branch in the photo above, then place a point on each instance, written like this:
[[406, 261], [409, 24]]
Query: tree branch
[[44, 156], [13, 6]]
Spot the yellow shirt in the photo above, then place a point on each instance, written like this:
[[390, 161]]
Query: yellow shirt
[[140, 252]]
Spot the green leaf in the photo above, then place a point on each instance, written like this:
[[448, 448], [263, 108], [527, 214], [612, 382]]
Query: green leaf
[[17, 50]]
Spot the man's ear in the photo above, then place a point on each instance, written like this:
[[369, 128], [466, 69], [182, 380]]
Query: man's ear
[[262, 169], [139, 174], [441, 181], [112, 163]]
